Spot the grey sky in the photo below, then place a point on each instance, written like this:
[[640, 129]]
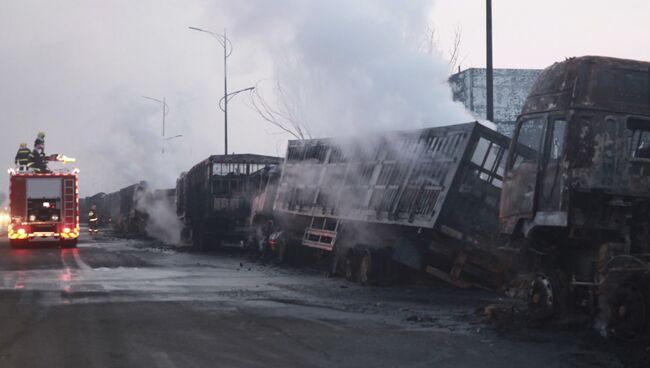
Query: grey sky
[[78, 69], [534, 34]]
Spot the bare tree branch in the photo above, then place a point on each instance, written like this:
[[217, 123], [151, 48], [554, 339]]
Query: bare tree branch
[[284, 116], [454, 52]]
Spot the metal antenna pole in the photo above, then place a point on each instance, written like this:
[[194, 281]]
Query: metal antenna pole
[[225, 91], [488, 73]]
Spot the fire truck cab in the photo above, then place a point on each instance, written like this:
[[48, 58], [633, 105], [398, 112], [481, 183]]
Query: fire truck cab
[[43, 206]]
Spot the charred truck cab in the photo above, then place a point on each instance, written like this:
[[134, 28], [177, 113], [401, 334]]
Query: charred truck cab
[[43, 206], [214, 197], [577, 191]]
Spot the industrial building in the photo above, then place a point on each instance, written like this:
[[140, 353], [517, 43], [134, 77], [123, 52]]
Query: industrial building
[[511, 86]]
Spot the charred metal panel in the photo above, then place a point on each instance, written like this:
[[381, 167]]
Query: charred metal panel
[[396, 178]]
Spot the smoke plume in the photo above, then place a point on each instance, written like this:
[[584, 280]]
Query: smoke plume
[[345, 67], [161, 220], [78, 71]]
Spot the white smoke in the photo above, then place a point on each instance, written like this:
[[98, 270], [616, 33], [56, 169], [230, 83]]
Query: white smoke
[[353, 67], [162, 223], [78, 71]]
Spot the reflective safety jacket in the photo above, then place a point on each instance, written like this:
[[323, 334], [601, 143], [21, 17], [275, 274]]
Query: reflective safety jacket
[[37, 161], [22, 156], [92, 216]]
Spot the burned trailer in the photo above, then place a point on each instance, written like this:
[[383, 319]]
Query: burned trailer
[[122, 211], [577, 192], [427, 199], [214, 197]]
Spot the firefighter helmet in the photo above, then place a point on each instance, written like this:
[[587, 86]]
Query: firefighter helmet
[[41, 135], [23, 145]]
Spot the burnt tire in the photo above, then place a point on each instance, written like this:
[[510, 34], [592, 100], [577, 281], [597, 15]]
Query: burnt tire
[[546, 296], [350, 269], [281, 251], [629, 311], [366, 268], [198, 237]]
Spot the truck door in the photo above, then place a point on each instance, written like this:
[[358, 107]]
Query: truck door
[[518, 199], [551, 174]]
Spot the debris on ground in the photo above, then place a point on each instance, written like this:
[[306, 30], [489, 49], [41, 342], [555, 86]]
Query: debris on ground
[[498, 312]]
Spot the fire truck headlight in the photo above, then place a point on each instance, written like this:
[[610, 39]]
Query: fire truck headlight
[[21, 231], [66, 230], [55, 217], [32, 218]]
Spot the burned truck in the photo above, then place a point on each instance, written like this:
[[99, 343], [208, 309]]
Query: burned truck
[[427, 199], [576, 200], [214, 197]]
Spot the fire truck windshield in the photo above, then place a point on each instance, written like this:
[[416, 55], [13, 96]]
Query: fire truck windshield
[[40, 210]]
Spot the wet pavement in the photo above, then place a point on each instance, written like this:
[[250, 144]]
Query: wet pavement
[[128, 303]]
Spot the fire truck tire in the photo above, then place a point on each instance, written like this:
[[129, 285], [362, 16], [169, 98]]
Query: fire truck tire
[[69, 243], [16, 244]]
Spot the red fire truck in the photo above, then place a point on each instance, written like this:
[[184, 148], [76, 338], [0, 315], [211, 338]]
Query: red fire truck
[[43, 206]]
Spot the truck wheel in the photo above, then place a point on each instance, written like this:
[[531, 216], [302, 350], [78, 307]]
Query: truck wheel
[[16, 244], [281, 250], [545, 296], [198, 237], [69, 243], [350, 269], [366, 265], [628, 311]]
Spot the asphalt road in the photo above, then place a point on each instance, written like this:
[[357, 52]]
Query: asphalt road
[[119, 303]]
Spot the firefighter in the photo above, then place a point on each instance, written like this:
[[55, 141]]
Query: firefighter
[[37, 159], [40, 139], [22, 156], [93, 220]]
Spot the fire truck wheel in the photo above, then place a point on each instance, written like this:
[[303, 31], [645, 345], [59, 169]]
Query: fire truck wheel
[[69, 243], [16, 244], [628, 311], [366, 267]]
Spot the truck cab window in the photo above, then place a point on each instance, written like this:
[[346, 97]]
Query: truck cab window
[[639, 138], [529, 141], [557, 140]]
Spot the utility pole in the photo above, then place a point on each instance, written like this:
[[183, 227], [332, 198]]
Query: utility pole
[[489, 96], [225, 95], [227, 50], [165, 110]]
